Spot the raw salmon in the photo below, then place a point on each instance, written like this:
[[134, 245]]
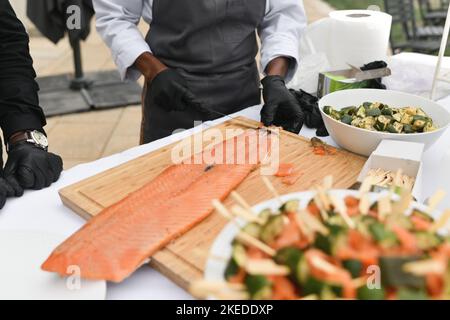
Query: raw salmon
[[122, 237]]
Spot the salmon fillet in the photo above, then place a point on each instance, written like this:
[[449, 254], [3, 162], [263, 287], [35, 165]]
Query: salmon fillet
[[122, 237]]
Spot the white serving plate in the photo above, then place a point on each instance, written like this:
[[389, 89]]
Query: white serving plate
[[220, 252], [364, 142], [21, 277]]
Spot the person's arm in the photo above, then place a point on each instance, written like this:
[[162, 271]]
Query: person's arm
[[280, 33], [116, 22], [19, 103]]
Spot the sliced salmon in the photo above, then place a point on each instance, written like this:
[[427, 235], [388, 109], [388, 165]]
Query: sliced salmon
[[285, 170], [122, 237]]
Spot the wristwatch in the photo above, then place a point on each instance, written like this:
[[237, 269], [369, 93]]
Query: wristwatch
[[34, 137]]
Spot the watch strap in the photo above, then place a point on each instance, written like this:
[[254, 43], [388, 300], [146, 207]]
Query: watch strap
[[19, 137]]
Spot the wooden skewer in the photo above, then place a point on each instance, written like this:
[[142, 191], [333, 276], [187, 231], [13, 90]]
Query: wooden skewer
[[238, 211], [404, 203], [312, 222], [339, 205], [266, 267], [421, 268], [328, 182], [251, 241], [323, 265], [435, 200], [222, 210], [241, 201], [272, 189], [384, 206], [441, 222], [319, 204], [366, 185], [364, 204]]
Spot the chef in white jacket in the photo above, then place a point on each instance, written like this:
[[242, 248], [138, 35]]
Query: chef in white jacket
[[199, 57]]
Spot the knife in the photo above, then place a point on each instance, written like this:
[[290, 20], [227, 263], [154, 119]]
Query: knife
[[241, 122]]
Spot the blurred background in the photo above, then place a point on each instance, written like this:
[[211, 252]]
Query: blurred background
[[87, 136]]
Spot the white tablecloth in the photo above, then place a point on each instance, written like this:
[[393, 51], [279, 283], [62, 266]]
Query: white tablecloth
[[43, 210]]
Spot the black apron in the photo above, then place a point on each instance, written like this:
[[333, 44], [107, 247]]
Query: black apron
[[213, 44]]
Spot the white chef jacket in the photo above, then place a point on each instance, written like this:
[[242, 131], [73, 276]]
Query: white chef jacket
[[117, 21]]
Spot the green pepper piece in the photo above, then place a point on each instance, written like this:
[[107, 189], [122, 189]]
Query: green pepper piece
[[355, 267], [259, 287], [346, 119], [373, 112]]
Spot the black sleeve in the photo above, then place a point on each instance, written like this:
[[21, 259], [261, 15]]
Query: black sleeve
[[19, 102]]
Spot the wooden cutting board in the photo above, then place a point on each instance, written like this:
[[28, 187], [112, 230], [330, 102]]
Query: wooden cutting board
[[183, 260]]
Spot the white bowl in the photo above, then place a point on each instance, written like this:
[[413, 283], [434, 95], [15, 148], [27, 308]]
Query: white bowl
[[364, 142]]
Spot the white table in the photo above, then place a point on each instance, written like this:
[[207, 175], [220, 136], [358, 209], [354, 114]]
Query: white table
[[43, 210]]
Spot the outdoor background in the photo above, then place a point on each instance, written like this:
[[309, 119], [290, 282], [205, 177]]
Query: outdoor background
[[81, 138]]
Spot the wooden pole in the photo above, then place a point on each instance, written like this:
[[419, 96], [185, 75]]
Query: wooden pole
[[441, 55]]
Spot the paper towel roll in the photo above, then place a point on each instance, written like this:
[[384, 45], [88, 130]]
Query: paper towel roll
[[357, 37], [353, 37]]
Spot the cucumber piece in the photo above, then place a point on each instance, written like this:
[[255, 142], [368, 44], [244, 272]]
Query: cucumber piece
[[382, 123], [393, 275], [367, 104], [327, 110], [332, 242], [395, 127], [364, 293], [423, 215], [232, 269], [289, 257], [265, 214], [290, 206], [349, 110], [427, 240], [406, 119], [397, 117], [272, 229], [259, 287], [418, 125], [347, 119], [312, 286], [408, 128], [375, 112], [253, 229], [239, 254], [361, 112], [355, 267], [411, 294], [382, 235], [386, 111]]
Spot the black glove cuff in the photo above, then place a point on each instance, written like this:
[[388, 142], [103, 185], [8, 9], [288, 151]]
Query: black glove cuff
[[272, 79]]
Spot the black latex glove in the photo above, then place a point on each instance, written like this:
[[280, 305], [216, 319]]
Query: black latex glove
[[9, 188], [281, 107], [310, 106], [169, 90], [375, 83], [33, 167]]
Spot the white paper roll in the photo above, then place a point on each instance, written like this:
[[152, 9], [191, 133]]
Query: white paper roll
[[353, 37], [358, 37]]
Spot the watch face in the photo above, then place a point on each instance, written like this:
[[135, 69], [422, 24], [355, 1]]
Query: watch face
[[40, 138]]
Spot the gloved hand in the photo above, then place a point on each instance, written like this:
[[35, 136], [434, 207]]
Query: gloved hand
[[281, 107], [33, 167], [169, 90]]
